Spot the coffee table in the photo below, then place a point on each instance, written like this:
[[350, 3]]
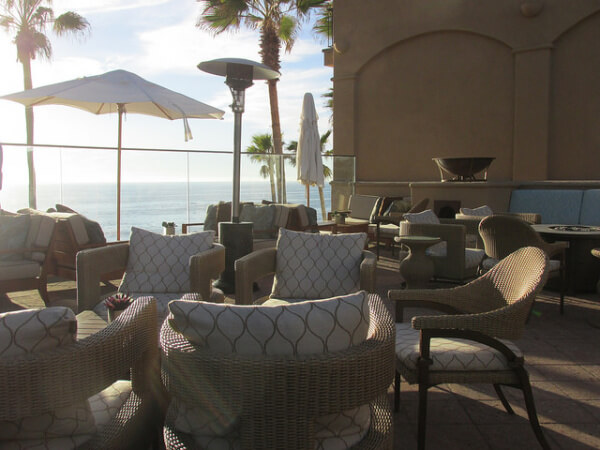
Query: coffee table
[[342, 228], [582, 269], [417, 268]]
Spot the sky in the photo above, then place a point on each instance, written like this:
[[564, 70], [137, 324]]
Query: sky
[[157, 40]]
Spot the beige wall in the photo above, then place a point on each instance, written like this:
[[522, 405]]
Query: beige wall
[[418, 79]]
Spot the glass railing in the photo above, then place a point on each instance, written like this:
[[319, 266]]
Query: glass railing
[[159, 184]]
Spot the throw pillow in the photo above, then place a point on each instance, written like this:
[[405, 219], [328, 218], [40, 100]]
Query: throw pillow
[[93, 229], [424, 217], [13, 235], [310, 327], [263, 218], [312, 266], [398, 207], [34, 331], [160, 263], [481, 211]]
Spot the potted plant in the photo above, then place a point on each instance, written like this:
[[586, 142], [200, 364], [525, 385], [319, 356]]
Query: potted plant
[[169, 228], [116, 304]]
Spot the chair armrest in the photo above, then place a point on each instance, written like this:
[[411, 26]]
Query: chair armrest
[[250, 268], [185, 226], [388, 219], [205, 267], [91, 265], [368, 268]]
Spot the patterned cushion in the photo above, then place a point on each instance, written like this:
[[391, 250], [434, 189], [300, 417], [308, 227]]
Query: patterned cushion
[[104, 406], [160, 263], [481, 211], [32, 331], [311, 266], [473, 256], [13, 234], [450, 354], [311, 327]]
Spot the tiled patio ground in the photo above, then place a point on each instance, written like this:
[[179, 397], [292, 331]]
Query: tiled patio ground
[[562, 356]]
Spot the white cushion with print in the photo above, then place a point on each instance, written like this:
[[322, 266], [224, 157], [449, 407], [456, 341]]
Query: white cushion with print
[[34, 331], [481, 211], [312, 266], [426, 217], [160, 263], [301, 328], [450, 353]]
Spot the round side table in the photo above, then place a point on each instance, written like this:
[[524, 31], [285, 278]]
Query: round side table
[[417, 267]]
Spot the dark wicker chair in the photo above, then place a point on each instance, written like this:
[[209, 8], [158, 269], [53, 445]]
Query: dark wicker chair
[[278, 398], [480, 318], [69, 374], [504, 234]]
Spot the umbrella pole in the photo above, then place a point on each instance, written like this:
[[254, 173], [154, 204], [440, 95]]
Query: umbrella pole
[[307, 195], [120, 108], [323, 212]]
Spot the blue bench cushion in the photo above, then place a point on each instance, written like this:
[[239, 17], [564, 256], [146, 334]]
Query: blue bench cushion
[[561, 206], [590, 208]]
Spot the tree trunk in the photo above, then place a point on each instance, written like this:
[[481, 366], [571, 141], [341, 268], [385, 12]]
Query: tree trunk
[[272, 180], [277, 140], [29, 126]]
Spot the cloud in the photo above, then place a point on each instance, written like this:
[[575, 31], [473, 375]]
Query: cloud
[[102, 6]]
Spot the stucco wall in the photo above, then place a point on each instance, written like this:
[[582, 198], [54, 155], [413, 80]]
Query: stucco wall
[[418, 79]]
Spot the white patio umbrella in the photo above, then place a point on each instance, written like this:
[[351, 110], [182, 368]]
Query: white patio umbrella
[[308, 153], [119, 91]]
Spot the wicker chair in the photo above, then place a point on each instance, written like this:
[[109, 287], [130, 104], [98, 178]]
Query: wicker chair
[[277, 399], [469, 344], [44, 381], [264, 262], [92, 264], [504, 234]]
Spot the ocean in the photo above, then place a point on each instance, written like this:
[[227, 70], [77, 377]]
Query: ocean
[[148, 205]]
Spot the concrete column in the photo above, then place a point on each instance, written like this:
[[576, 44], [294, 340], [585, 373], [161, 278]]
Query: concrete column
[[532, 113]]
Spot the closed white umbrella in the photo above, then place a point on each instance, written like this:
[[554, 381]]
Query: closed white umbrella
[[119, 91], [308, 153]]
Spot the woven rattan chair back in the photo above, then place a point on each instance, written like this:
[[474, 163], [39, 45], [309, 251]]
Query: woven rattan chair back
[[502, 235]]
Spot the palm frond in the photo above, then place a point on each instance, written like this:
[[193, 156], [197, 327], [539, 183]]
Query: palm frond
[[70, 22]]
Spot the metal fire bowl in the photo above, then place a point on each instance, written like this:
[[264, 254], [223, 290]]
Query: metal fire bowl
[[465, 168]]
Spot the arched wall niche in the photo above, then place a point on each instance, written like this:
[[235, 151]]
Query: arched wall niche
[[444, 93]]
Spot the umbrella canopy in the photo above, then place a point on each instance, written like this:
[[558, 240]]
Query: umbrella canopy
[[119, 91], [308, 153]]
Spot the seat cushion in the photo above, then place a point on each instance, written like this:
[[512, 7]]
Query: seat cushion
[[450, 353], [473, 256], [104, 406], [590, 208], [160, 264], [312, 266], [279, 329], [427, 216], [19, 270], [32, 331], [481, 211], [13, 235]]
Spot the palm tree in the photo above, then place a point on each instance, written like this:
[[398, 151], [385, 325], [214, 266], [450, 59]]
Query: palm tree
[[278, 22], [262, 151], [28, 20]]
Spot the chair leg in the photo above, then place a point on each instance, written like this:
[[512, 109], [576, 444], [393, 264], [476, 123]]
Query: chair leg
[[43, 290], [422, 419], [503, 399], [529, 403], [397, 392], [563, 283]]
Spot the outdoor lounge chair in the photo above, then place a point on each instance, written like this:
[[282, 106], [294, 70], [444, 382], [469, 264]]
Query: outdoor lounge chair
[[61, 393], [502, 235], [470, 342], [25, 245], [165, 267], [279, 381], [308, 266]]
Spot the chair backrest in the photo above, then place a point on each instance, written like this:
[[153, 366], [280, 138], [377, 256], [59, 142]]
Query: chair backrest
[[511, 287], [312, 266], [363, 206], [502, 235]]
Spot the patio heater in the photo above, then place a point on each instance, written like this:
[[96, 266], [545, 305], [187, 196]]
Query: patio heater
[[236, 236]]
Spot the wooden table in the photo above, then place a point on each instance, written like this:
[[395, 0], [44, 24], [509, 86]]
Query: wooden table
[[343, 228], [88, 323], [417, 268]]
